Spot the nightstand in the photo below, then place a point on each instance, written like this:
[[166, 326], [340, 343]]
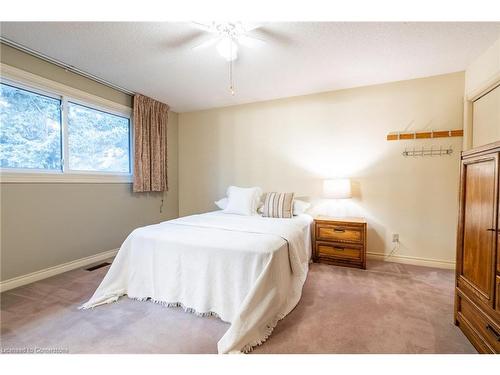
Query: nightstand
[[340, 241]]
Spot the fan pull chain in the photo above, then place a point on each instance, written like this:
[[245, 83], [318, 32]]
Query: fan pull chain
[[231, 87]]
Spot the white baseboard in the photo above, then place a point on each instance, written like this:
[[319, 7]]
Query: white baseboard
[[56, 270], [426, 262], [52, 271]]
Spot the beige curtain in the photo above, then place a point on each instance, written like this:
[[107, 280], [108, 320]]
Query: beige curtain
[[150, 142]]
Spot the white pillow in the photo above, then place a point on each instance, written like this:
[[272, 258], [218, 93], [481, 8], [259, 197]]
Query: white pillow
[[299, 207], [242, 201], [221, 203]]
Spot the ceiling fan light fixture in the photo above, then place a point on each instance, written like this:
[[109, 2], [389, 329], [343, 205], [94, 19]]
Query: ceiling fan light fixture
[[228, 49]]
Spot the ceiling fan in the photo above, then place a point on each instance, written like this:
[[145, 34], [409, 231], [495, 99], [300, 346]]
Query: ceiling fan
[[227, 37]]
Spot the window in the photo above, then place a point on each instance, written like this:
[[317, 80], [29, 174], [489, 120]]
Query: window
[[30, 130], [46, 132], [98, 141]]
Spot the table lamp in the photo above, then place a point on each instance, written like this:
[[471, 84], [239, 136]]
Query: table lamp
[[339, 188]]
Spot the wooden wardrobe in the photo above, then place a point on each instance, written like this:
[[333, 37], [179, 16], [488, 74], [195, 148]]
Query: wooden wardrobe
[[477, 293]]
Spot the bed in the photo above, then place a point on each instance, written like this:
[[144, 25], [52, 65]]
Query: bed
[[247, 270]]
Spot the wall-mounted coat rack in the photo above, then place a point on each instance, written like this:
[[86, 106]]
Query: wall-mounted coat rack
[[428, 151], [425, 134]]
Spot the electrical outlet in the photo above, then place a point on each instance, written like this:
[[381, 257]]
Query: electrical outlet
[[395, 237]]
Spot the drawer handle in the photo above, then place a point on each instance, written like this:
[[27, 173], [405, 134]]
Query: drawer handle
[[339, 248], [338, 230], [492, 330]]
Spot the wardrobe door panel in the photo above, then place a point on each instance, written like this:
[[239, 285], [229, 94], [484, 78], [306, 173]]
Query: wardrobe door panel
[[479, 234]]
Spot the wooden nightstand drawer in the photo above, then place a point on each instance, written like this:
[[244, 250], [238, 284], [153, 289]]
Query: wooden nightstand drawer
[[338, 232], [338, 251]]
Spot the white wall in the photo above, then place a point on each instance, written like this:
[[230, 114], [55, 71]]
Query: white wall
[[293, 144], [483, 69], [482, 74]]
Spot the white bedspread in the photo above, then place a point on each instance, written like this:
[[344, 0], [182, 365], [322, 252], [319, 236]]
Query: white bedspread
[[248, 270]]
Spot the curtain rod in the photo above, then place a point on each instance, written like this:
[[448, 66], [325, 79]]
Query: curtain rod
[[66, 67]]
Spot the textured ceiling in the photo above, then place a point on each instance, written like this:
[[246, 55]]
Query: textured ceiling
[[157, 59]]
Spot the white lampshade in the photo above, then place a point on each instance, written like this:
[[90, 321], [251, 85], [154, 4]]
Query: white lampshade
[[339, 188]]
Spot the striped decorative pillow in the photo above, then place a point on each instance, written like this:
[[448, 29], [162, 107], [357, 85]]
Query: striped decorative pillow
[[278, 205]]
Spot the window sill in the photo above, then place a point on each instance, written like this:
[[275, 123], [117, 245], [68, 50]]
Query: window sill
[[57, 178]]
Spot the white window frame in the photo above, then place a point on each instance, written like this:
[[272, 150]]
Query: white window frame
[[39, 85]]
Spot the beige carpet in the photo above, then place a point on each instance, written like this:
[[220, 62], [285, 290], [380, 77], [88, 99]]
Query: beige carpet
[[389, 308]]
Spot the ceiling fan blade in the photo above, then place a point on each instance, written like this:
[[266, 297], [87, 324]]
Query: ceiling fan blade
[[250, 41], [207, 43], [271, 36], [203, 26], [191, 38], [252, 26]]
